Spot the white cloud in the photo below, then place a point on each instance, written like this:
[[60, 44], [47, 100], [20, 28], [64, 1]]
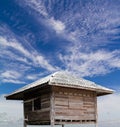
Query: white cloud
[[15, 57], [14, 44], [81, 30], [38, 6], [57, 25], [40, 60], [36, 75], [33, 56], [15, 81], [20, 57], [91, 63], [11, 74], [94, 22], [31, 77]]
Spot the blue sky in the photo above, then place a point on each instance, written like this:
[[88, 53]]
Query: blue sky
[[40, 37]]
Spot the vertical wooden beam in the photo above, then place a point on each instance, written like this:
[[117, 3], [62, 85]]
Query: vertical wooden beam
[[25, 124], [52, 112], [62, 125], [96, 112]]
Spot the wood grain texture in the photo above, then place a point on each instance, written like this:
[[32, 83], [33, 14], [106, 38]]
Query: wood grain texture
[[73, 105], [52, 108], [39, 116], [60, 105]]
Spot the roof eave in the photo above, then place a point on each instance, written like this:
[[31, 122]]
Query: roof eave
[[20, 95], [104, 92], [16, 96]]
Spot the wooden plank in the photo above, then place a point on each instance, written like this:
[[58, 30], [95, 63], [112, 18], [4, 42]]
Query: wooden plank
[[88, 103], [74, 118], [69, 112], [60, 98], [37, 116], [74, 112], [72, 98], [52, 112], [74, 104], [96, 113], [61, 103], [75, 100], [45, 104], [61, 106], [57, 95]]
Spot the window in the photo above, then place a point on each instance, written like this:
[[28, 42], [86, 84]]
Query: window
[[37, 104]]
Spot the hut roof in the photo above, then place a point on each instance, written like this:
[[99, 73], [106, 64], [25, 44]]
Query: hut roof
[[63, 79]]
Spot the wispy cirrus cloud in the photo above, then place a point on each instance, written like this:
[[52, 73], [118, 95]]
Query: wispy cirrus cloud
[[38, 6], [19, 55], [41, 10], [84, 24], [56, 25], [33, 56], [11, 76], [27, 53], [14, 81], [88, 31], [35, 76], [91, 63], [87, 28]]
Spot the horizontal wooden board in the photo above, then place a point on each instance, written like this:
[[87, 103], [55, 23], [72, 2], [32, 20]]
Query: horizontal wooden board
[[69, 112], [35, 116], [66, 117], [45, 105], [62, 103]]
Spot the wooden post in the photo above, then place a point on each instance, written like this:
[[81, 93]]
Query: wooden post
[[96, 112], [52, 108], [25, 124], [62, 125]]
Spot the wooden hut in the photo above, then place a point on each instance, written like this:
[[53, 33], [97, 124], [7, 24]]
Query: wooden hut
[[59, 99]]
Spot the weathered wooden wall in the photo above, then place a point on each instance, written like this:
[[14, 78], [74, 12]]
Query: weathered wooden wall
[[41, 116], [74, 106], [60, 105]]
